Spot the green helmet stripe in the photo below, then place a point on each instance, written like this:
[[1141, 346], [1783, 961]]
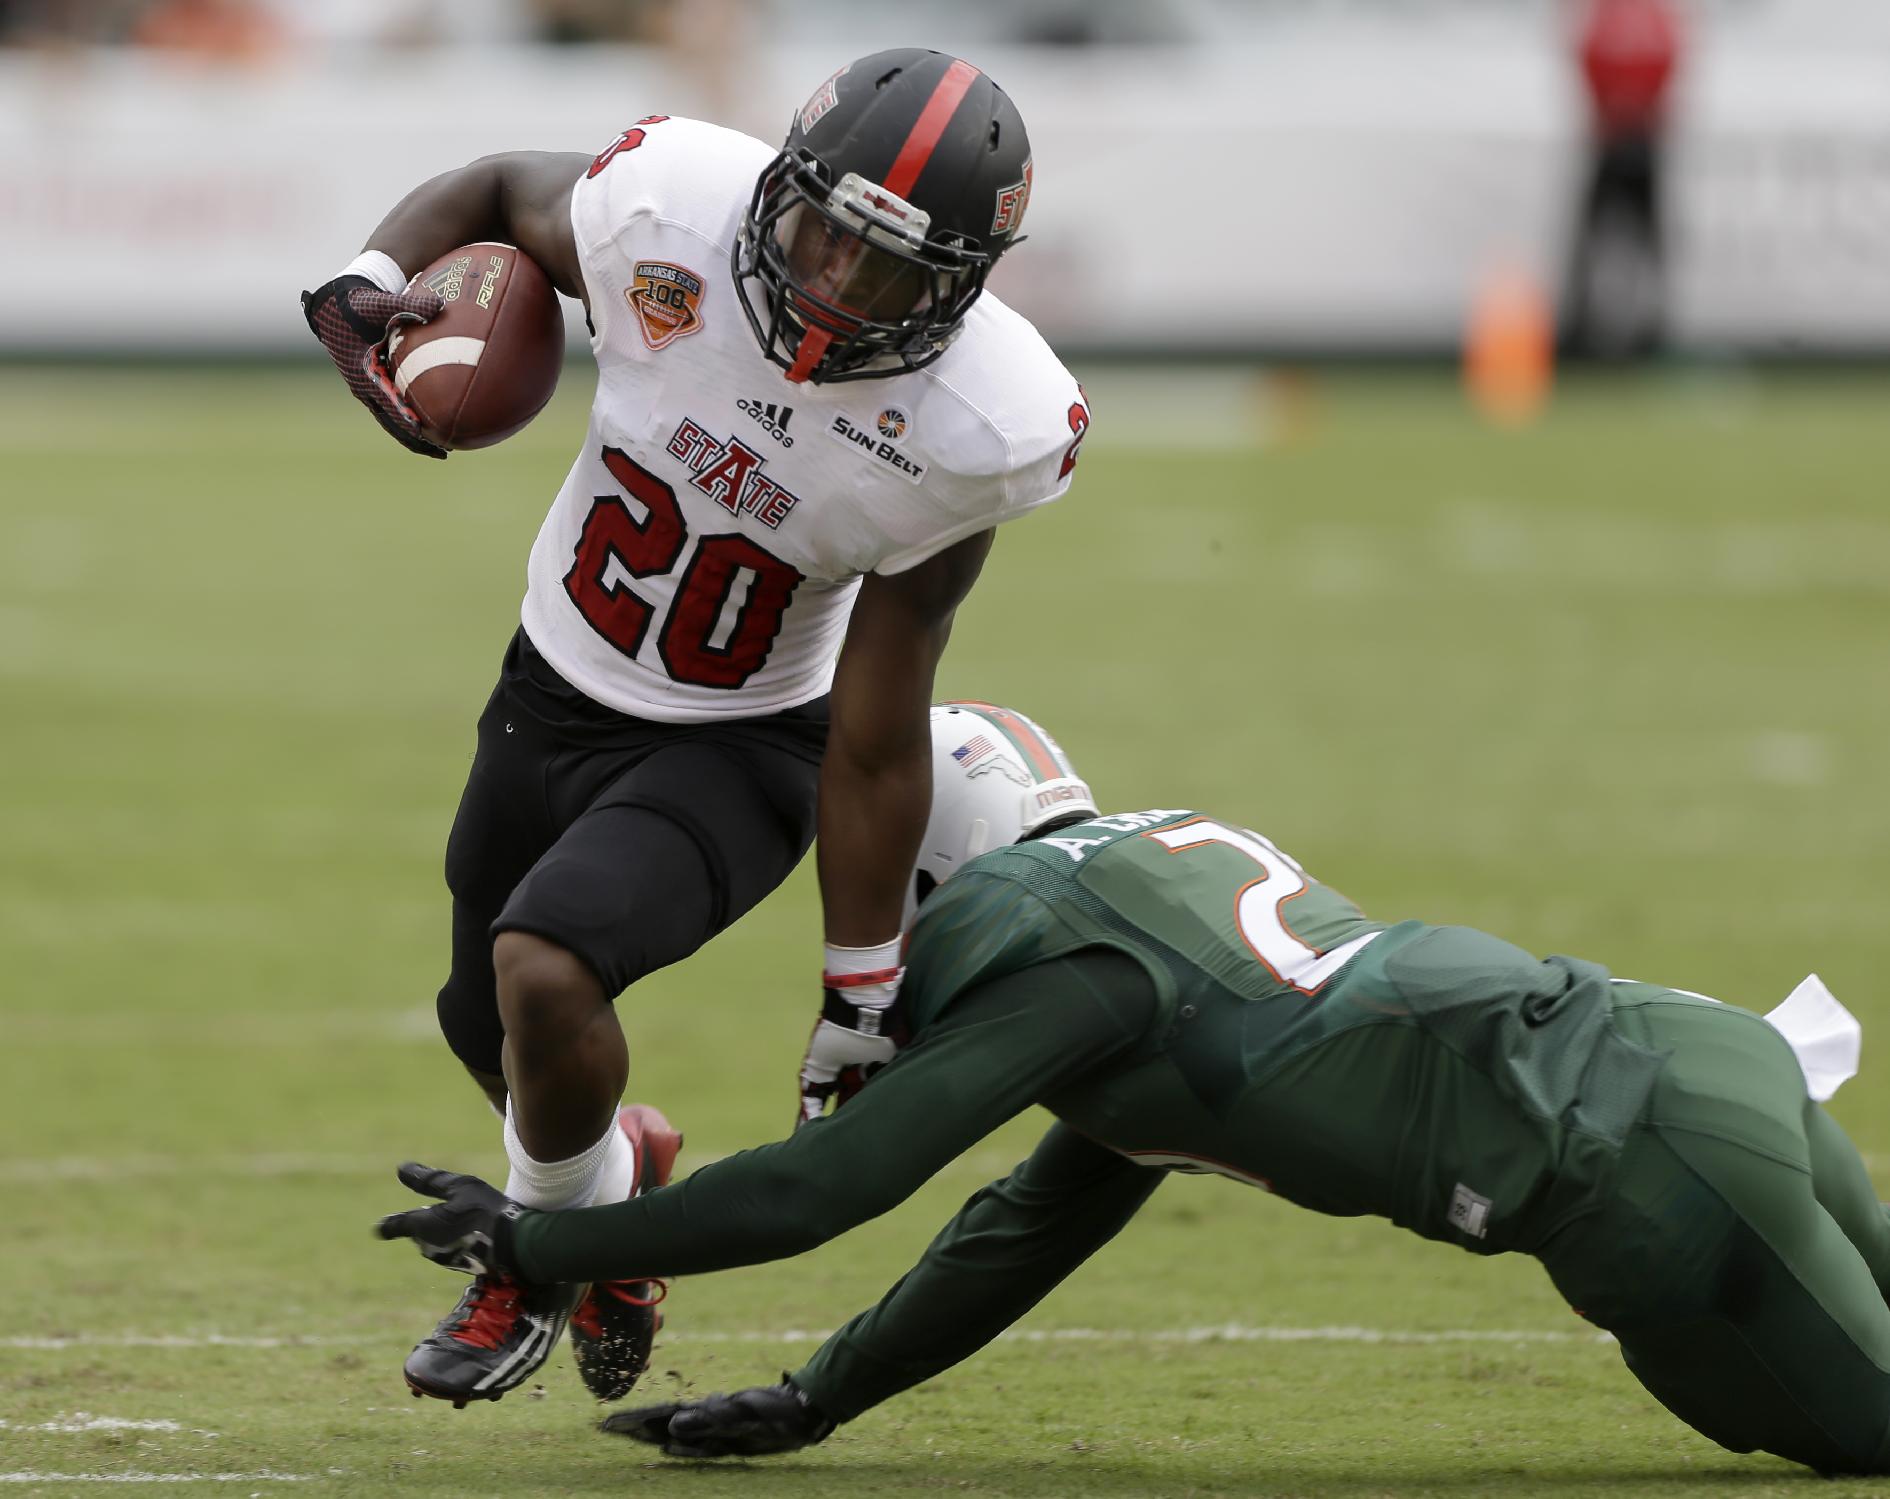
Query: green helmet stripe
[[1044, 761]]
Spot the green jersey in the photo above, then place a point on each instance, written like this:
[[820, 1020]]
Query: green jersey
[[1183, 996], [1434, 1075], [1255, 1024]]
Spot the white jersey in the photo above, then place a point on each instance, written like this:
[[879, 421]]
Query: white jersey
[[703, 556]]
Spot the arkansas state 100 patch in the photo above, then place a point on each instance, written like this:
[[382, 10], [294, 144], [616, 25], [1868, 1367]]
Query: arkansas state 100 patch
[[667, 300]]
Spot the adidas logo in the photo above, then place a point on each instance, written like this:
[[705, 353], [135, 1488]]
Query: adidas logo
[[774, 419]]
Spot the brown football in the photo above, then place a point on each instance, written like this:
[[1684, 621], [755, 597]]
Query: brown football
[[489, 362]]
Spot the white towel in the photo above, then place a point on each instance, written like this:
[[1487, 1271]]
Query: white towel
[[1825, 1036]]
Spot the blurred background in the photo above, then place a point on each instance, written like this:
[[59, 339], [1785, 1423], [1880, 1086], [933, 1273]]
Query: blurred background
[[1486, 499], [1213, 176]]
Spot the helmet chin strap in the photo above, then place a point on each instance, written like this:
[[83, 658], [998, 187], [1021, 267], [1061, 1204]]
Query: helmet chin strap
[[814, 344]]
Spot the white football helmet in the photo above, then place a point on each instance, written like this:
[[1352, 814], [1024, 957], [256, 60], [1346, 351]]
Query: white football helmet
[[996, 778]]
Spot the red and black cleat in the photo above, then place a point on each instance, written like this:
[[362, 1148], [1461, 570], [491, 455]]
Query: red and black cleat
[[615, 1324], [497, 1336]]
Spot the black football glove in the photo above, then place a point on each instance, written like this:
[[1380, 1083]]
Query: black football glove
[[353, 317], [470, 1229], [749, 1423]]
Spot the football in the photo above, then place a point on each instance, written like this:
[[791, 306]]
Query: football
[[489, 362]]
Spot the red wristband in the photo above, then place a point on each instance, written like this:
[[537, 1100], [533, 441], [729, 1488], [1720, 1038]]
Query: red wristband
[[861, 980]]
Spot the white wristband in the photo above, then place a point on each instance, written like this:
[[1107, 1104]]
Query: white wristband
[[380, 269], [866, 976]]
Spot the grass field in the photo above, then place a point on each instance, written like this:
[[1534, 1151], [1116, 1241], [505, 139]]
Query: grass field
[[1618, 686]]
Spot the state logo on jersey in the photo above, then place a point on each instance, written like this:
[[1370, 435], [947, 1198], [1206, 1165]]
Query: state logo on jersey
[[730, 473], [667, 300]]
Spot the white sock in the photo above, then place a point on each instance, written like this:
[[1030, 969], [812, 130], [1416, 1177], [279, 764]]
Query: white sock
[[556, 1184], [619, 1172]]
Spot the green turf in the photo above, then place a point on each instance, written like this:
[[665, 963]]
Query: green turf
[[1615, 685]]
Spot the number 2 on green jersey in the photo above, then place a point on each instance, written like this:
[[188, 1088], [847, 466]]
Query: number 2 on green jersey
[[1257, 906]]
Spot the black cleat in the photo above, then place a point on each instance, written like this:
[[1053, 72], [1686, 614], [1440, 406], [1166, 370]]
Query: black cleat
[[616, 1323], [498, 1335]]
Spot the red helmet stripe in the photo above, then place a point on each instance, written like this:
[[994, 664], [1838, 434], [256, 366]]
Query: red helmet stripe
[[933, 119]]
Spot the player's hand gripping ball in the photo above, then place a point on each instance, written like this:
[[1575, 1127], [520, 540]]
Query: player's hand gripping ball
[[487, 362], [353, 318]]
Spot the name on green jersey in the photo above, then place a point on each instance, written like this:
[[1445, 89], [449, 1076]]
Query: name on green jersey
[[1077, 847]]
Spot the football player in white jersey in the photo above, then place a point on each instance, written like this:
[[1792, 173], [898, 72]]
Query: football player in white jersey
[[809, 419]]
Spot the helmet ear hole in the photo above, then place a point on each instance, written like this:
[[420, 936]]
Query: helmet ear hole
[[923, 884]]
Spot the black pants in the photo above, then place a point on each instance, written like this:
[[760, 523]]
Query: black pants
[[626, 841]]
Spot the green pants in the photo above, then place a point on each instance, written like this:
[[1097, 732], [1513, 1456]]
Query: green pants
[[1740, 1254]]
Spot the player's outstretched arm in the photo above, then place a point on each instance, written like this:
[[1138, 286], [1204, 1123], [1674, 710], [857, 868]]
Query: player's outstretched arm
[[875, 796], [997, 1049], [1009, 1246], [520, 198]]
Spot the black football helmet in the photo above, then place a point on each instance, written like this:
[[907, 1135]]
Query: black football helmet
[[868, 238]]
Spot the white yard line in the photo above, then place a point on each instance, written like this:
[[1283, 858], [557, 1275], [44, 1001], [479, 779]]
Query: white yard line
[[416, 1025], [136, 1167], [271, 1163], [1227, 1333], [265, 1476], [59, 1344], [1231, 1332], [85, 1421]]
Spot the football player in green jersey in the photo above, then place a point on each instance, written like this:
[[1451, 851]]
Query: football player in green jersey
[[1181, 995]]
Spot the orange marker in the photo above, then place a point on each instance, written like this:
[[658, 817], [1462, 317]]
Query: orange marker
[[1509, 348]]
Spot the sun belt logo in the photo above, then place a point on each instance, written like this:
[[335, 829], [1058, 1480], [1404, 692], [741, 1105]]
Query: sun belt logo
[[773, 418], [823, 99], [1011, 203], [891, 423], [844, 429], [730, 474], [667, 300]]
